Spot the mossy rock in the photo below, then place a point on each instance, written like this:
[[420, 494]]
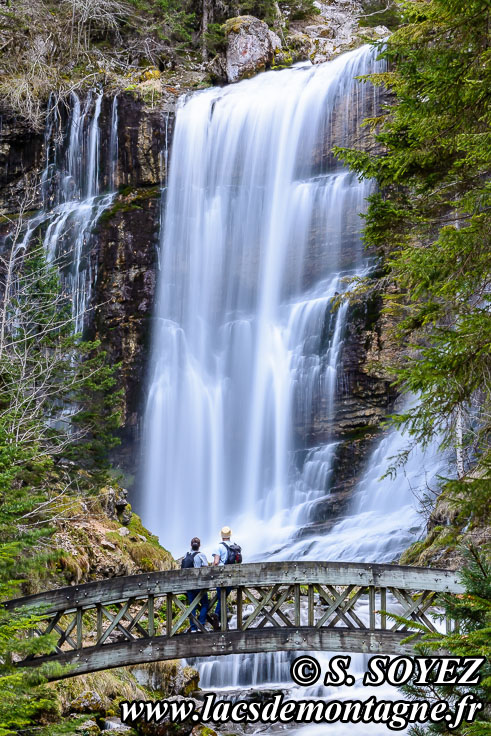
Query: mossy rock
[[233, 25], [89, 728], [428, 551], [88, 702], [111, 686], [129, 200], [167, 678], [143, 547], [282, 60]]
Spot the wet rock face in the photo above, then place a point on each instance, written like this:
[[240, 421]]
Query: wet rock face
[[21, 152], [125, 239], [363, 397], [126, 250], [250, 47], [125, 286], [143, 133]]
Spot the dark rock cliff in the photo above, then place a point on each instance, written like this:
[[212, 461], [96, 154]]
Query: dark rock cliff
[[126, 252], [21, 152]]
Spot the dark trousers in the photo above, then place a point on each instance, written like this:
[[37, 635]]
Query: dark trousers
[[218, 609], [203, 604]]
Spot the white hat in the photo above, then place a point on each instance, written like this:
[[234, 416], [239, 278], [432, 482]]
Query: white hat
[[226, 532]]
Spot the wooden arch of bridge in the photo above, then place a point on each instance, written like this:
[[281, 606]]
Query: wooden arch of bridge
[[276, 606]]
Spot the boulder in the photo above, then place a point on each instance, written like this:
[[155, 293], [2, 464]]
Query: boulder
[[216, 69], [320, 31], [88, 702], [300, 46], [89, 728], [251, 47], [169, 677]]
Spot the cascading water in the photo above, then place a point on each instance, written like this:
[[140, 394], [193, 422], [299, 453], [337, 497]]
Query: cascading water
[[72, 202], [260, 227], [381, 522]]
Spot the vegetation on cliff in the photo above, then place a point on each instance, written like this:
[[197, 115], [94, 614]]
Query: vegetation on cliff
[[58, 411], [60, 515], [429, 224], [57, 46]]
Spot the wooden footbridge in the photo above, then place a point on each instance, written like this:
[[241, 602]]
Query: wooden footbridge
[[278, 606]]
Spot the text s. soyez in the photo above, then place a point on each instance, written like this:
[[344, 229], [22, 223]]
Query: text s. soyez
[[382, 669]]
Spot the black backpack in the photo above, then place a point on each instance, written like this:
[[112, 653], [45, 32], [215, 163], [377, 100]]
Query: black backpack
[[188, 561], [234, 554]]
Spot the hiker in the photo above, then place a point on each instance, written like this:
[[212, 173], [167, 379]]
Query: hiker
[[226, 554], [195, 558]]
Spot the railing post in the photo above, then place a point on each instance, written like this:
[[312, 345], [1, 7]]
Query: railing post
[[169, 615], [151, 617], [99, 622], [223, 609], [239, 608], [310, 594], [297, 605], [383, 608], [371, 606], [79, 628]]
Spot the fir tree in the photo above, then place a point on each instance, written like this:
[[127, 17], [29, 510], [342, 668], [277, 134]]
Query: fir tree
[[429, 224], [471, 612]]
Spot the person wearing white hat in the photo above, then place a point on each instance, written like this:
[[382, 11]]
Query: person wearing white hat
[[222, 556]]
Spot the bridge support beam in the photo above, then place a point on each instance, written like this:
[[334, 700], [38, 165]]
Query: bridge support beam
[[160, 648]]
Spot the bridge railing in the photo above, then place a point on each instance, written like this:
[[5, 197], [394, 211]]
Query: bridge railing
[[271, 606]]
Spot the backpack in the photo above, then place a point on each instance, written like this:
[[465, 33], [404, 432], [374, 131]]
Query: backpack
[[234, 554], [188, 561]]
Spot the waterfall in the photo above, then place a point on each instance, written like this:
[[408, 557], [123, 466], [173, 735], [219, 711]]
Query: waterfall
[[260, 229], [71, 194], [261, 226]]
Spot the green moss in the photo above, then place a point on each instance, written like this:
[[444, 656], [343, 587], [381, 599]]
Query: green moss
[[359, 433], [440, 539], [147, 553], [233, 25], [137, 527], [147, 556], [66, 728], [126, 190], [133, 200], [8, 219], [286, 61]]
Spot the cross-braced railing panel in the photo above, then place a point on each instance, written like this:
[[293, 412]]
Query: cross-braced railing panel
[[274, 606]]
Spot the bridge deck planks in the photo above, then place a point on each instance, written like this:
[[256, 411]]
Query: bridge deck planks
[[255, 574]]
